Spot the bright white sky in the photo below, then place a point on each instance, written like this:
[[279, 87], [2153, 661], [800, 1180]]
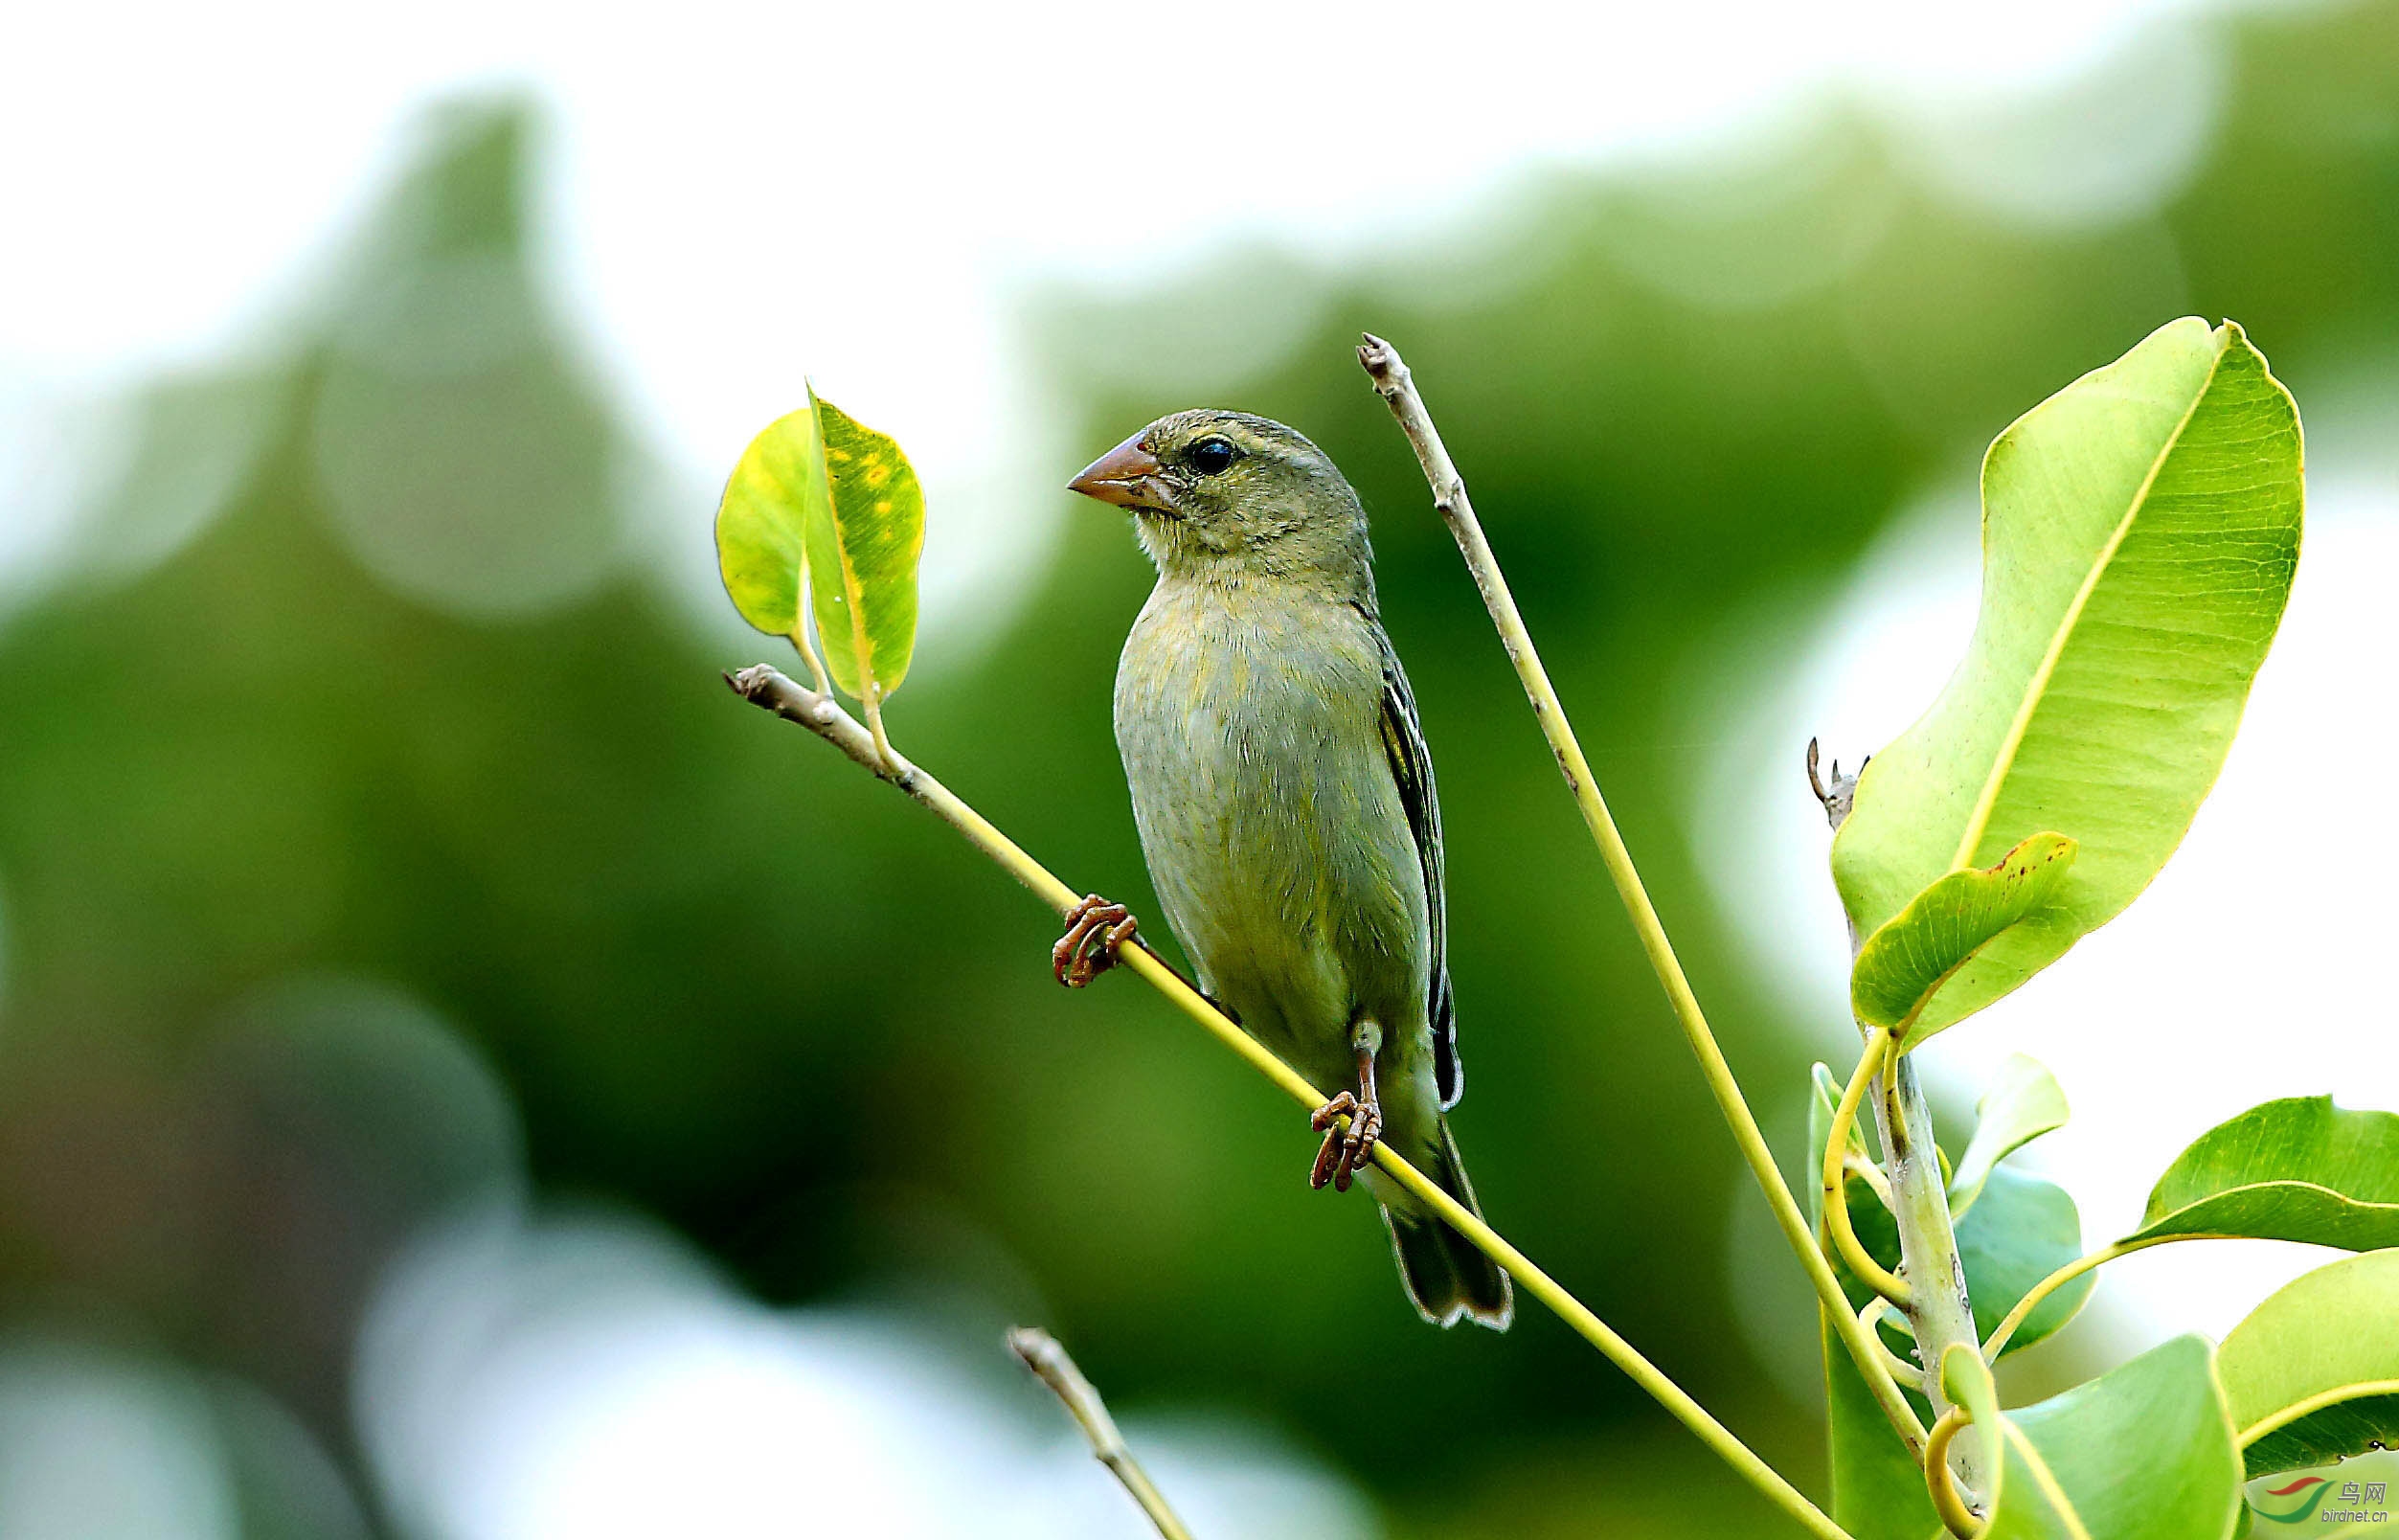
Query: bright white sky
[[739, 194]]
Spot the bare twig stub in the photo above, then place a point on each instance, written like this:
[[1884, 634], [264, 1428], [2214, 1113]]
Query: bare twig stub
[[1048, 1360], [1839, 793]]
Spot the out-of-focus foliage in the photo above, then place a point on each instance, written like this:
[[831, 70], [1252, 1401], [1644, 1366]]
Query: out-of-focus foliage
[[410, 709], [2023, 1102], [2140, 531]]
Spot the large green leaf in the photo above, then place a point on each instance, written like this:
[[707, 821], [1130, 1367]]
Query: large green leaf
[[2145, 1452], [2312, 1376], [2140, 529], [2295, 1170], [1902, 966], [823, 504], [2022, 1104]]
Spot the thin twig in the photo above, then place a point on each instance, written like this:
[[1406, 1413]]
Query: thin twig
[[1397, 388], [773, 690], [1049, 1362]]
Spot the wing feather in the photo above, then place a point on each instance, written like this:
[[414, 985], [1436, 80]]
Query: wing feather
[[1411, 771]]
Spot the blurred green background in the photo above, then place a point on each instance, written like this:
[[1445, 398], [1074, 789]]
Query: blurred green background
[[265, 813]]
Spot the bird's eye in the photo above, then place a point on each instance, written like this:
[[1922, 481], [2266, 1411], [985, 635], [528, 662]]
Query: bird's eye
[[1210, 456]]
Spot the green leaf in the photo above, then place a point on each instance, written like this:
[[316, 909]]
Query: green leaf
[[1903, 964], [822, 506], [862, 551], [2145, 1452], [2312, 1376], [2295, 1170], [2023, 1103], [2140, 529], [2023, 1230], [1877, 1488], [759, 522]]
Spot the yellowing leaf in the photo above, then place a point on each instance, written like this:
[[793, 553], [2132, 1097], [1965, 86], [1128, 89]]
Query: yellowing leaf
[[862, 545], [826, 513]]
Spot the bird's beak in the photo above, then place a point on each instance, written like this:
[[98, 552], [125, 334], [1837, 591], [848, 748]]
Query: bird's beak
[[1121, 476]]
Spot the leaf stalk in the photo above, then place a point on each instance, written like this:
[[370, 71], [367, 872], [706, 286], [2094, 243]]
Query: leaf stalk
[[1844, 1236], [1937, 1484]]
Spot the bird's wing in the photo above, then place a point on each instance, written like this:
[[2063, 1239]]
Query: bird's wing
[[1412, 769]]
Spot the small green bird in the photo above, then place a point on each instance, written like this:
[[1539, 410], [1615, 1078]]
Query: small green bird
[[1286, 808]]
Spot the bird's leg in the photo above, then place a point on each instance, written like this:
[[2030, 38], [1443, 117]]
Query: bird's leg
[[1094, 929], [1346, 1150]]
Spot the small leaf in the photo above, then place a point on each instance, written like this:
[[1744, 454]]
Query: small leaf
[[1904, 963], [2145, 1452], [2023, 1230], [2312, 1376], [862, 549], [2140, 529], [821, 503], [760, 547], [2295, 1170], [2023, 1103]]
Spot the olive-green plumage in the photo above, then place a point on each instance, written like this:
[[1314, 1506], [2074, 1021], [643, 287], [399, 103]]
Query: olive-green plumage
[[1285, 798]]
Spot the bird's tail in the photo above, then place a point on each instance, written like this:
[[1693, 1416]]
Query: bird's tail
[[1445, 1274]]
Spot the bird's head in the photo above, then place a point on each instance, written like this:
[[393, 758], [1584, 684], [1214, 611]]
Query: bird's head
[[1230, 496]]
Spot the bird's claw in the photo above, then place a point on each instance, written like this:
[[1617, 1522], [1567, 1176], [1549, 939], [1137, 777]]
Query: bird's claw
[[1094, 929], [1346, 1150]]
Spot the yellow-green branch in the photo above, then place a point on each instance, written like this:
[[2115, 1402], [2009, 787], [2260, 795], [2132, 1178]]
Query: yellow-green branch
[[1397, 388], [768, 688]]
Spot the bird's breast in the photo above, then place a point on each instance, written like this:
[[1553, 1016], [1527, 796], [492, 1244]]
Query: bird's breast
[[1267, 811]]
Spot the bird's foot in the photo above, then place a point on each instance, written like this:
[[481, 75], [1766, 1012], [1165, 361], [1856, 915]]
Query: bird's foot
[[1094, 929], [1346, 1149]]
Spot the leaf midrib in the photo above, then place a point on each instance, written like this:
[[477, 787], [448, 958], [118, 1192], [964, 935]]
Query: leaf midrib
[[861, 648], [2047, 1480], [2368, 1204], [2308, 1406], [2038, 686]]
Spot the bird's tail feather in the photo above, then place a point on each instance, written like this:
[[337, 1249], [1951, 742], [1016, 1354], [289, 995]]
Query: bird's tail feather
[[1445, 1274]]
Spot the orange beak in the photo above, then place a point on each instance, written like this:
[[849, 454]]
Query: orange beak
[[1121, 476]]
